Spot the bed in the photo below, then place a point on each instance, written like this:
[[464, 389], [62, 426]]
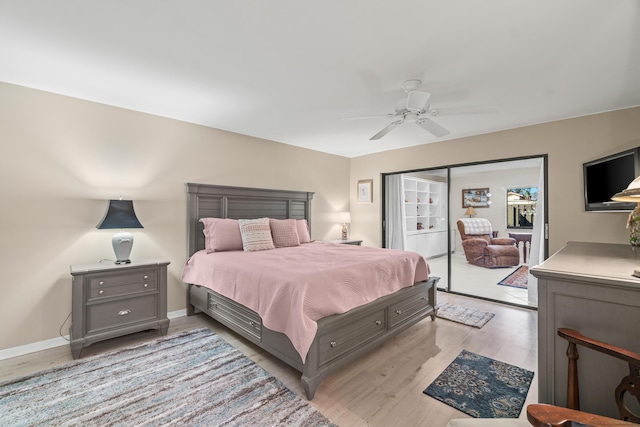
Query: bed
[[338, 339]]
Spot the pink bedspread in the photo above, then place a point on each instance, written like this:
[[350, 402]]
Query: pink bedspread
[[291, 288]]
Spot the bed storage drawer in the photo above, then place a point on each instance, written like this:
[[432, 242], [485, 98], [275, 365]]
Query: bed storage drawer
[[243, 320], [344, 337], [408, 308]]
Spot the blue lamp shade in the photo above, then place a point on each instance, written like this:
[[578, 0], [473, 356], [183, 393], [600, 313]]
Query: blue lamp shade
[[120, 215]]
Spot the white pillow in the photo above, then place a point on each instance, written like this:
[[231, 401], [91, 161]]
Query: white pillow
[[256, 234]]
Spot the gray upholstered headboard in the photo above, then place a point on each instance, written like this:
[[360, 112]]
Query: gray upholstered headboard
[[216, 201]]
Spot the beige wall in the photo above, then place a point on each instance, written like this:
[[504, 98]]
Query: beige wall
[[568, 143], [63, 158]]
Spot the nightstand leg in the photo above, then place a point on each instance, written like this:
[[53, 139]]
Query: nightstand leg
[[76, 349], [164, 328]]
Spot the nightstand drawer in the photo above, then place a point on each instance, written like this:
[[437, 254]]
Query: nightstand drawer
[[112, 291], [103, 286], [100, 281], [121, 313]]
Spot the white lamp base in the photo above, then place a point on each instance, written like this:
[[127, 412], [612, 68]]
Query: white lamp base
[[122, 244]]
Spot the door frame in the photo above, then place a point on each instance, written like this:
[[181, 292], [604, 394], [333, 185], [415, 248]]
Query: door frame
[[545, 225]]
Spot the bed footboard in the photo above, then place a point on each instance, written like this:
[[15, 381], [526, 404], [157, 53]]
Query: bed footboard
[[340, 338]]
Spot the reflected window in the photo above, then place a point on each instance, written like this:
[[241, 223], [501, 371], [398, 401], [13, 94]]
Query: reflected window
[[521, 206]]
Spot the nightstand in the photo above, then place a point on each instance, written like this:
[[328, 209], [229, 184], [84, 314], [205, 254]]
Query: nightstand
[[346, 242], [111, 300]]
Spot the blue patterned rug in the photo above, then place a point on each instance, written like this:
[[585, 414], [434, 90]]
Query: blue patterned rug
[[482, 387], [193, 378]]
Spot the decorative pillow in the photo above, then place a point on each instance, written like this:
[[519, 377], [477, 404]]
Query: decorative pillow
[[303, 231], [221, 234], [284, 232], [256, 234]]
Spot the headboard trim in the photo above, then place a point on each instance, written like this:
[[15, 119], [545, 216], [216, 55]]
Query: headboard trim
[[205, 200]]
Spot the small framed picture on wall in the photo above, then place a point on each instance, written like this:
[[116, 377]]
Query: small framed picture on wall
[[476, 197], [365, 191]]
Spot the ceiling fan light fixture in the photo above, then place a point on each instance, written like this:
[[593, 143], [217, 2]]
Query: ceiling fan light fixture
[[417, 101], [411, 85]]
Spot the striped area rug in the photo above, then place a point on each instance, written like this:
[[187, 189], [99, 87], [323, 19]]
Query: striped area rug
[[465, 315], [194, 378]]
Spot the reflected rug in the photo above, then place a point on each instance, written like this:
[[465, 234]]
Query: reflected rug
[[193, 378], [466, 316], [482, 387], [517, 278]]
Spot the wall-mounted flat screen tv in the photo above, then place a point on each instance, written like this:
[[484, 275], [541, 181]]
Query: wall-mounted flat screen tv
[[607, 176]]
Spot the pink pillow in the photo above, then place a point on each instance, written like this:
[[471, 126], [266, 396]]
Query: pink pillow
[[221, 234], [256, 234], [303, 231], [284, 232]]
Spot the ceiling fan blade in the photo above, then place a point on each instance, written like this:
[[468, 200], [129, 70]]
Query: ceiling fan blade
[[417, 101], [432, 127], [466, 110], [374, 116], [391, 126]]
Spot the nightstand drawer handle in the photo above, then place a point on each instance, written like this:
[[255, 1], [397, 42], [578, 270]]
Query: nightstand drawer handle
[[378, 322], [252, 323], [101, 291], [145, 277], [146, 285], [100, 283], [398, 311], [123, 312], [333, 344]]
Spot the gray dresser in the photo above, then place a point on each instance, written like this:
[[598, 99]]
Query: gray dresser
[[111, 300], [588, 287]]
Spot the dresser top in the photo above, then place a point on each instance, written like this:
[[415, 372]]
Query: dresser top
[[597, 262], [110, 265]]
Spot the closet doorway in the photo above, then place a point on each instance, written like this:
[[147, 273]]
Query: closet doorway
[[509, 196]]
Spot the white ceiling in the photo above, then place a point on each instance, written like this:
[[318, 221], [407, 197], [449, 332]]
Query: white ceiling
[[287, 70]]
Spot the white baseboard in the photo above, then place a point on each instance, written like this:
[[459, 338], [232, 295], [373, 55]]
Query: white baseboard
[[58, 341]]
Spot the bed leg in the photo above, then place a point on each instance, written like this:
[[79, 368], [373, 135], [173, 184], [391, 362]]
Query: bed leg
[[190, 308], [433, 297], [309, 385]]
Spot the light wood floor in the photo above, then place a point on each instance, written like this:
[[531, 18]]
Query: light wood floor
[[382, 389]]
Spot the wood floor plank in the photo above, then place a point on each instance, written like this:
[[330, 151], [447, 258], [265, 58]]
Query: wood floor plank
[[382, 389]]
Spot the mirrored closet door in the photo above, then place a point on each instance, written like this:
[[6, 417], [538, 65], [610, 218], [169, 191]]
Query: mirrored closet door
[[501, 201], [416, 217]]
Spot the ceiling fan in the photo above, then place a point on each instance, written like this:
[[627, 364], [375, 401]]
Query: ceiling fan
[[415, 109]]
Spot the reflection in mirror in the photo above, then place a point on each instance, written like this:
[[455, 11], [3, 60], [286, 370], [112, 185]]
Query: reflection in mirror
[[521, 206]]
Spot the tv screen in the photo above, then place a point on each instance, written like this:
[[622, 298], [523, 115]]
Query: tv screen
[[607, 176]]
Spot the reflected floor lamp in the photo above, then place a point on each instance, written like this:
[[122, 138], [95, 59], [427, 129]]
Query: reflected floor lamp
[[120, 215]]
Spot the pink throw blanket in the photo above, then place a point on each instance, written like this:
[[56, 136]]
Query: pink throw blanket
[[293, 287]]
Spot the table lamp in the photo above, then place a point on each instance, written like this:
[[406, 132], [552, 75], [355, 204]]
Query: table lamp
[[344, 218], [632, 194], [120, 215], [470, 211]]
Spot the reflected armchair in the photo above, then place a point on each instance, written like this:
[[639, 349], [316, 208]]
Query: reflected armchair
[[482, 248]]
